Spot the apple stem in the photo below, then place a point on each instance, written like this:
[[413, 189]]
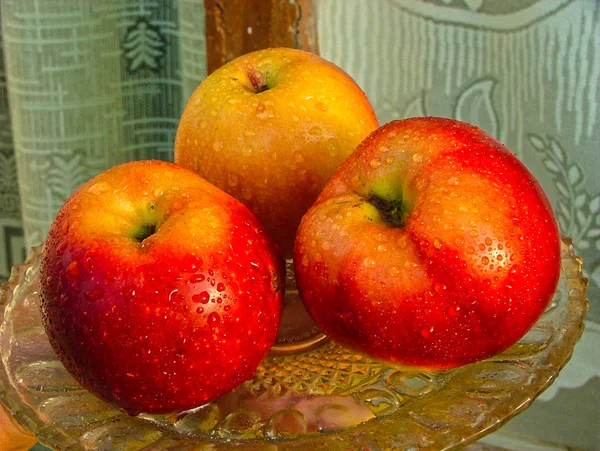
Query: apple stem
[[257, 82], [392, 211]]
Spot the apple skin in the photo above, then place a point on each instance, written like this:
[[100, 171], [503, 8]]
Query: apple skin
[[431, 247], [160, 320], [270, 128]]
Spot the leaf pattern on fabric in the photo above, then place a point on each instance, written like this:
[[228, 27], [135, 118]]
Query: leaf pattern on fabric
[[474, 5], [66, 174], [144, 46], [475, 105], [416, 107], [577, 211], [8, 172]]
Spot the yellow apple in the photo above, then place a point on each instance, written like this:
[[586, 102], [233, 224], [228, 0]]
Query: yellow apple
[[270, 128]]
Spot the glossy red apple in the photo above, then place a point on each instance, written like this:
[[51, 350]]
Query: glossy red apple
[[270, 128], [159, 291], [432, 247]]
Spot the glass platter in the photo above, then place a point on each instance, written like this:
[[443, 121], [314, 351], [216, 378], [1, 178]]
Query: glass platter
[[323, 399]]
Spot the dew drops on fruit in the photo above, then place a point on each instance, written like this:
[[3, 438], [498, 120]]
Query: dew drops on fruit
[[417, 158], [375, 163], [214, 319], [201, 298]]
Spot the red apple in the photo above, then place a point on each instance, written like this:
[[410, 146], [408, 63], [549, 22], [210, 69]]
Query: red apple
[[432, 247], [159, 291], [270, 128]]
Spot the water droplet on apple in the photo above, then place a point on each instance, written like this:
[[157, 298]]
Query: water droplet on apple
[[453, 311], [175, 296], [73, 268], [63, 299], [214, 319], [389, 159], [220, 287], [485, 260], [99, 188], [394, 271], [417, 158], [262, 112], [129, 293], [409, 264], [232, 179], [95, 293], [437, 243], [201, 298], [381, 248], [426, 333], [384, 149], [453, 181], [439, 288], [62, 246], [200, 310], [190, 264], [332, 145], [403, 242], [246, 194], [315, 131], [196, 278], [470, 250], [369, 262], [375, 163]]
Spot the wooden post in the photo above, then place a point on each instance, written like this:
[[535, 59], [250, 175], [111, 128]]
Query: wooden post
[[236, 27]]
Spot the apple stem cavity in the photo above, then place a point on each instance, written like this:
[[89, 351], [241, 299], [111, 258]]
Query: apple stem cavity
[[392, 211], [258, 82], [144, 232]]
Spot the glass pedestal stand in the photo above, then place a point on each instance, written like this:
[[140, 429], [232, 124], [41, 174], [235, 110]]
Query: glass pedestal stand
[[323, 397], [297, 331]]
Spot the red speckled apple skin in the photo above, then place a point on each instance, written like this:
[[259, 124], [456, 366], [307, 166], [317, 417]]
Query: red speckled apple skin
[[471, 269], [171, 322]]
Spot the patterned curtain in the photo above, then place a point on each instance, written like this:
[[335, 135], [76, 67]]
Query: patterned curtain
[[89, 85], [85, 85]]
